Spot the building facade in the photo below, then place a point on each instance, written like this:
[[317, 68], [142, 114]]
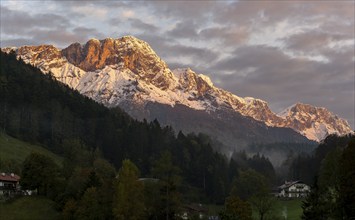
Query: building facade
[[293, 189], [9, 184]]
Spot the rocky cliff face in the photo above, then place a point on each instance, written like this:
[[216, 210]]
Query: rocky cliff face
[[131, 53], [127, 72], [313, 122]]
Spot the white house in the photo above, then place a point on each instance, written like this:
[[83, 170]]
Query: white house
[[293, 189]]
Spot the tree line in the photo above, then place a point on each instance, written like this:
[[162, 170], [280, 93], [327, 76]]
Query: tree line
[[333, 193]]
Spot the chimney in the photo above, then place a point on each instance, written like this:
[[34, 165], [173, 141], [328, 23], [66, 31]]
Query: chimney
[[12, 174]]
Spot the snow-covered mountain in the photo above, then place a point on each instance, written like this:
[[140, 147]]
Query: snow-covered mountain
[[313, 122], [126, 72]]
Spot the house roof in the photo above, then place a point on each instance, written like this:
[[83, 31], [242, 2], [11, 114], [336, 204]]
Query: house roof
[[289, 184], [195, 208], [9, 177]]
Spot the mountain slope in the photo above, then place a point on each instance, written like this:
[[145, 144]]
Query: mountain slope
[[234, 130], [37, 108], [126, 72]]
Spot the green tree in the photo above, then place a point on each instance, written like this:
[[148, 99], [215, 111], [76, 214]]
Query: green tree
[[93, 180], [263, 203], [329, 170], [129, 193], [104, 169], [152, 199], [10, 166], [39, 172], [347, 181], [316, 205], [69, 209], [332, 196], [169, 179], [89, 206], [236, 209], [249, 183], [76, 154], [329, 183], [106, 172]]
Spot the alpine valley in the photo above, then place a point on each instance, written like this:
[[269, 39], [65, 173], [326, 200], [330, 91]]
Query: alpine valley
[[126, 72]]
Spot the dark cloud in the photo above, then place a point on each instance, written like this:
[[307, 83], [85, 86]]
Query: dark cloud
[[87, 32], [63, 37], [170, 49], [339, 11], [115, 21], [194, 53], [243, 12], [317, 41], [42, 29], [19, 22], [159, 43], [266, 12], [17, 42], [60, 37], [135, 25], [226, 35], [98, 3], [143, 26], [309, 41], [176, 65], [184, 30], [194, 11], [271, 65]]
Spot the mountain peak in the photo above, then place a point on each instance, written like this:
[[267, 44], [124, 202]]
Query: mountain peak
[[207, 79], [252, 100], [93, 40], [314, 122], [302, 107], [130, 37], [133, 53], [286, 111]]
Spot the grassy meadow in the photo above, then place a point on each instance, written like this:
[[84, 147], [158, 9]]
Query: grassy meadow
[[29, 207], [16, 150], [284, 210]]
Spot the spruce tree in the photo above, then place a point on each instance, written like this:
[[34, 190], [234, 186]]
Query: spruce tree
[[128, 201]]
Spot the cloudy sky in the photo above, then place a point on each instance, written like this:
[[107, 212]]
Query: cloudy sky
[[281, 52]]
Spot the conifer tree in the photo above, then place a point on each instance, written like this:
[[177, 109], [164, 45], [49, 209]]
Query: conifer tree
[[129, 193], [347, 181], [169, 179], [89, 206]]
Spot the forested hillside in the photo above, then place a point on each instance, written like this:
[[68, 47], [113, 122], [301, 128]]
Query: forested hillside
[[333, 170], [38, 109]]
